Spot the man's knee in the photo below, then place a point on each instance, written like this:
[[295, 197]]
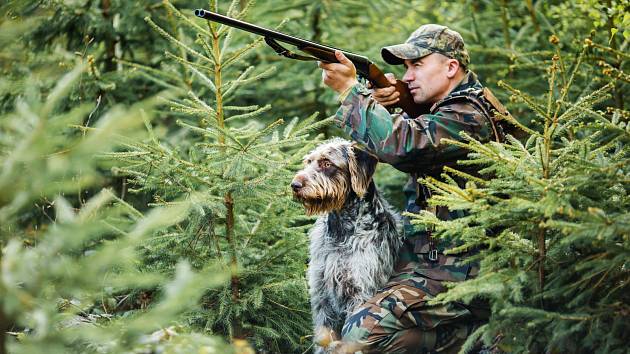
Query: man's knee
[[398, 320]]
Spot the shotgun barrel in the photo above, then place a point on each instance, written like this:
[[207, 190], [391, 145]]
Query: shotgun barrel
[[325, 53]]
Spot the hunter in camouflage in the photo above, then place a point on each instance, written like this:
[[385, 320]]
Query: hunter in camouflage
[[398, 319]]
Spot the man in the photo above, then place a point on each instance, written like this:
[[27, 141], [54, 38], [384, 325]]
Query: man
[[398, 318]]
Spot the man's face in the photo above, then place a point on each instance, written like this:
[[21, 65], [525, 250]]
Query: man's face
[[428, 78]]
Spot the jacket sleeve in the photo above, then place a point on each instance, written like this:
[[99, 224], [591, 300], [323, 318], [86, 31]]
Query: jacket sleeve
[[410, 145]]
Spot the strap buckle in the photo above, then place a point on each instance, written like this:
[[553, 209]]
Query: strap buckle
[[433, 255]]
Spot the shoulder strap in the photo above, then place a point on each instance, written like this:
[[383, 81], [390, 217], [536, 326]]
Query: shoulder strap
[[285, 52], [488, 107]]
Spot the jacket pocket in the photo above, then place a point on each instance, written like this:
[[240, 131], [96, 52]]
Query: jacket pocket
[[444, 272]]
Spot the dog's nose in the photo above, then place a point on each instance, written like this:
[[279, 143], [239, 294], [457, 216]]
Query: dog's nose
[[296, 185]]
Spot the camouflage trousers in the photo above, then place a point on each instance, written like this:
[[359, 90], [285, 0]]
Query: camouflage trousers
[[398, 319]]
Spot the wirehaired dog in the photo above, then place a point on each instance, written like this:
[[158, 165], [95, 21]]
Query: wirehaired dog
[[354, 243]]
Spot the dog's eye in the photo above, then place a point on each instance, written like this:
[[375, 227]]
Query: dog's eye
[[326, 164]]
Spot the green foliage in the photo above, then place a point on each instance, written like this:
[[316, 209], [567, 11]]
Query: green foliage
[[60, 279], [201, 175], [550, 218], [240, 163]]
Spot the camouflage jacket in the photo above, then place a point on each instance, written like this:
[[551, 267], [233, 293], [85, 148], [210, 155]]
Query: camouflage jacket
[[412, 145]]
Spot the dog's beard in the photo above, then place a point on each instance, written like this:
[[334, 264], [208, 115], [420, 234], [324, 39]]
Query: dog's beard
[[323, 195], [320, 204]]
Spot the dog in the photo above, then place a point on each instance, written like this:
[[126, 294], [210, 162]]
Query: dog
[[354, 242]]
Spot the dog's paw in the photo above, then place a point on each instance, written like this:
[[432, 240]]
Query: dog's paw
[[325, 336]]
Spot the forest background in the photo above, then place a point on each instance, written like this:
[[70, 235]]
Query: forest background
[[146, 157]]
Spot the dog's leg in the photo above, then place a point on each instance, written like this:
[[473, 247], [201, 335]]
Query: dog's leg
[[326, 317]]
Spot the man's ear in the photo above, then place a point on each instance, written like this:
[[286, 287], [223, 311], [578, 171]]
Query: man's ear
[[362, 166], [453, 68]]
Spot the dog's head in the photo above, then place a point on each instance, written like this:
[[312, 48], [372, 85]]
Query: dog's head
[[331, 172]]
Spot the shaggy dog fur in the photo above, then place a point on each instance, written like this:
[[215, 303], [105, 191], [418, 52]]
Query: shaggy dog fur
[[354, 243]]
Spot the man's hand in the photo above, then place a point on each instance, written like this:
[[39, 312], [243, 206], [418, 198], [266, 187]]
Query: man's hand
[[339, 76], [387, 96]]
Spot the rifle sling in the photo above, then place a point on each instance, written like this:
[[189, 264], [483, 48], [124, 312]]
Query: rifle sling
[[285, 52]]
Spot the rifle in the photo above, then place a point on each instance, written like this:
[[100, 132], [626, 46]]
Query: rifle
[[318, 51]]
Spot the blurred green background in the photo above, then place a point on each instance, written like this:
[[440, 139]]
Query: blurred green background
[[146, 156]]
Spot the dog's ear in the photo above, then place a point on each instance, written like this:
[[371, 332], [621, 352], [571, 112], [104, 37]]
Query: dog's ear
[[362, 165]]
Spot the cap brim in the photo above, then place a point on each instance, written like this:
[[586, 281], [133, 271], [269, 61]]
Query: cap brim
[[396, 54]]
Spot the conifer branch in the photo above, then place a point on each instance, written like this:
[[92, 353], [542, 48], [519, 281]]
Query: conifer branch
[[188, 63], [240, 108], [162, 83], [242, 51], [205, 79], [235, 83], [263, 75], [185, 19], [258, 159], [465, 175], [209, 110], [589, 43], [574, 72], [265, 146], [441, 187], [226, 42], [305, 129], [209, 49], [530, 101], [175, 104], [249, 114], [217, 146], [148, 69], [244, 10], [214, 131], [61, 90], [177, 42]]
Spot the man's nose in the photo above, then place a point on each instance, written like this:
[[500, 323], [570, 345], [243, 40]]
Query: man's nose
[[408, 77]]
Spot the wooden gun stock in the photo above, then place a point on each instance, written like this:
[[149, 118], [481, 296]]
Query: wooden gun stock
[[377, 78]]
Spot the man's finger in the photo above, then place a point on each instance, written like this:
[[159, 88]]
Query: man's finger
[[387, 98], [342, 58], [391, 78], [330, 66], [385, 91]]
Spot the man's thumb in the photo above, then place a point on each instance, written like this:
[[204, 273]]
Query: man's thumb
[[391, 78], [342, 58]]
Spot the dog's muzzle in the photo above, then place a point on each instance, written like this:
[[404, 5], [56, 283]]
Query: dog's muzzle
[[296, 185]]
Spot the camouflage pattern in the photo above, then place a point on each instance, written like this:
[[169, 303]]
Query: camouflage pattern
[[413, 145], [425, 40], [398, 319], [416, 326]]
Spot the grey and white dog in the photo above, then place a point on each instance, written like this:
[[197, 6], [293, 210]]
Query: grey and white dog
[[355, 241]]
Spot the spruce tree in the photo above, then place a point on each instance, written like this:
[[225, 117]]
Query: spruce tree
[[184, 161], [62, 278], [241, 163], [549, 216]]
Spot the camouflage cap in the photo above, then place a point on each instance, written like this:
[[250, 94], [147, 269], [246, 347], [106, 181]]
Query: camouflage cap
[[425, 40]]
